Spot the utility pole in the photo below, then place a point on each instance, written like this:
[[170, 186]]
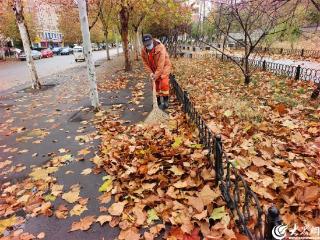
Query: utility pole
[[82, 5]]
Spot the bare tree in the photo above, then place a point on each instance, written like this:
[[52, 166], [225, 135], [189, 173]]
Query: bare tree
[[18, 10], [253, 20]]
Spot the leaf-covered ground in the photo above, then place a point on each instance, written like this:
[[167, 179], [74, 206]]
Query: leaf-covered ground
[[144, 182], [159, 182], [270, 130]]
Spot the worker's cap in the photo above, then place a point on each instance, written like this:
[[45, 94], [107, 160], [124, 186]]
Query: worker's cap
[[147, 39]]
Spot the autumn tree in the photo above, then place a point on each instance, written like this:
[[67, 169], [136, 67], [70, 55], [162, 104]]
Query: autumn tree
[[125, 9], [107, 17], [72, 32], [172, 19], [18, 10], [8, 23], [254, 21]]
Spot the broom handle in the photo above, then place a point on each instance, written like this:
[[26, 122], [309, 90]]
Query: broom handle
[[154, 93]]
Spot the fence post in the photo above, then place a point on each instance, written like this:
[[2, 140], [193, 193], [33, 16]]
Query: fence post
[[297, 76], [272, 220], [218, 151], [185, 100], [264, 65], [302, 52]]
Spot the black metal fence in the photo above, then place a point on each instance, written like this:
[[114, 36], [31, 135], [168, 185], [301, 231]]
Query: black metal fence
[[291, 52], [235, 190], [296, 72]]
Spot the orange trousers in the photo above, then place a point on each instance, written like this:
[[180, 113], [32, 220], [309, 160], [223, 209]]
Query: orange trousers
[[162, 86]]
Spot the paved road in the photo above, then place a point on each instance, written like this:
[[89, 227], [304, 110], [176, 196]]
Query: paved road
[[13, 74]]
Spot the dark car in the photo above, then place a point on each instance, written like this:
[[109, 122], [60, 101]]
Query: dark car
[[66, 51], [57, 50]]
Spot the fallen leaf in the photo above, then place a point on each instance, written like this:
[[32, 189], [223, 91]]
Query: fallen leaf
[[106, 186], [77, 210], [177, 171], [116, 209], [129, 234], [152, 216], [218, 213], [86, 171], [41, 235], [8, 222], [207, 195], [84, 152], [84, 224], [103, 218], [72, 196]]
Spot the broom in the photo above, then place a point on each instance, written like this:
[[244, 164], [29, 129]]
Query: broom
[[156, 115]]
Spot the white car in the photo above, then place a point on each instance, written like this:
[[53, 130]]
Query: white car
[[78, 53], [34, 53]]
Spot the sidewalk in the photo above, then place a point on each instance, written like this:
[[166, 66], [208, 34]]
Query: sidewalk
[[37, 127]]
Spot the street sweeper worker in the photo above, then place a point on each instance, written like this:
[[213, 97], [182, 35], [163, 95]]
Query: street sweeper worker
[[156, 62]]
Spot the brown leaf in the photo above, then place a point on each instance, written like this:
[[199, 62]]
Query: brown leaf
[[116, 209], [259, 162], [207, 195], [196, 203], [129, 234], [140, 215], [103, 218], [84, 224], [201, 215], [61, 212], [311, 194]]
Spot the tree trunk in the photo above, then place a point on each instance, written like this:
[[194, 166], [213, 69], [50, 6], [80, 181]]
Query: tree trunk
[[108, 50], [117, 45], [26, 44], [88, 53], [136, 44], [105, 32], [124, 21], [247, 78]]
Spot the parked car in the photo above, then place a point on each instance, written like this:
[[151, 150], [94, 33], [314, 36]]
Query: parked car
[[57, 50], [65, 51], [34, 53], [78, 53], [94, 47], [46, 53]]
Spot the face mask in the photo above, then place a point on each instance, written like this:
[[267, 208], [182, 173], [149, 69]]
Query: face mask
[[150, 46]]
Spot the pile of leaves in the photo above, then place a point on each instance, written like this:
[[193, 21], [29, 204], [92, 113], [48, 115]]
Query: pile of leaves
[[158, 175], [159, 182], [270, 130]]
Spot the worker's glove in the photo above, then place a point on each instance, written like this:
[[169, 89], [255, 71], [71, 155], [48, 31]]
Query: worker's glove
[[152, 76]]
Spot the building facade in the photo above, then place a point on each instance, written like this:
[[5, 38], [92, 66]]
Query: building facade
[[46, 23]]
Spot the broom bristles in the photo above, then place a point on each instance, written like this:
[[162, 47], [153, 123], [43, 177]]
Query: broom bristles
[[156, 115]]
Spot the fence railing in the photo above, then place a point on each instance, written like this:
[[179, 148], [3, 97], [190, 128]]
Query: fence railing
[[235, 190], [292, 52], [296, 72]]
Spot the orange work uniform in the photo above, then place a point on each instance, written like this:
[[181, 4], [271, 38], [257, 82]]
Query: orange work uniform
[[157, 61]]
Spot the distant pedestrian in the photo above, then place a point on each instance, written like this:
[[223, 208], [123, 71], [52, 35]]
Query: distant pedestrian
[[156, 61]]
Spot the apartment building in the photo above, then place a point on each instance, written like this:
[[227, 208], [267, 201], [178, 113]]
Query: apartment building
[[46, 22]]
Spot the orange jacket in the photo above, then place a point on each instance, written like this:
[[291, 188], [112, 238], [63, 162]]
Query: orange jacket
[[161, 60]]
